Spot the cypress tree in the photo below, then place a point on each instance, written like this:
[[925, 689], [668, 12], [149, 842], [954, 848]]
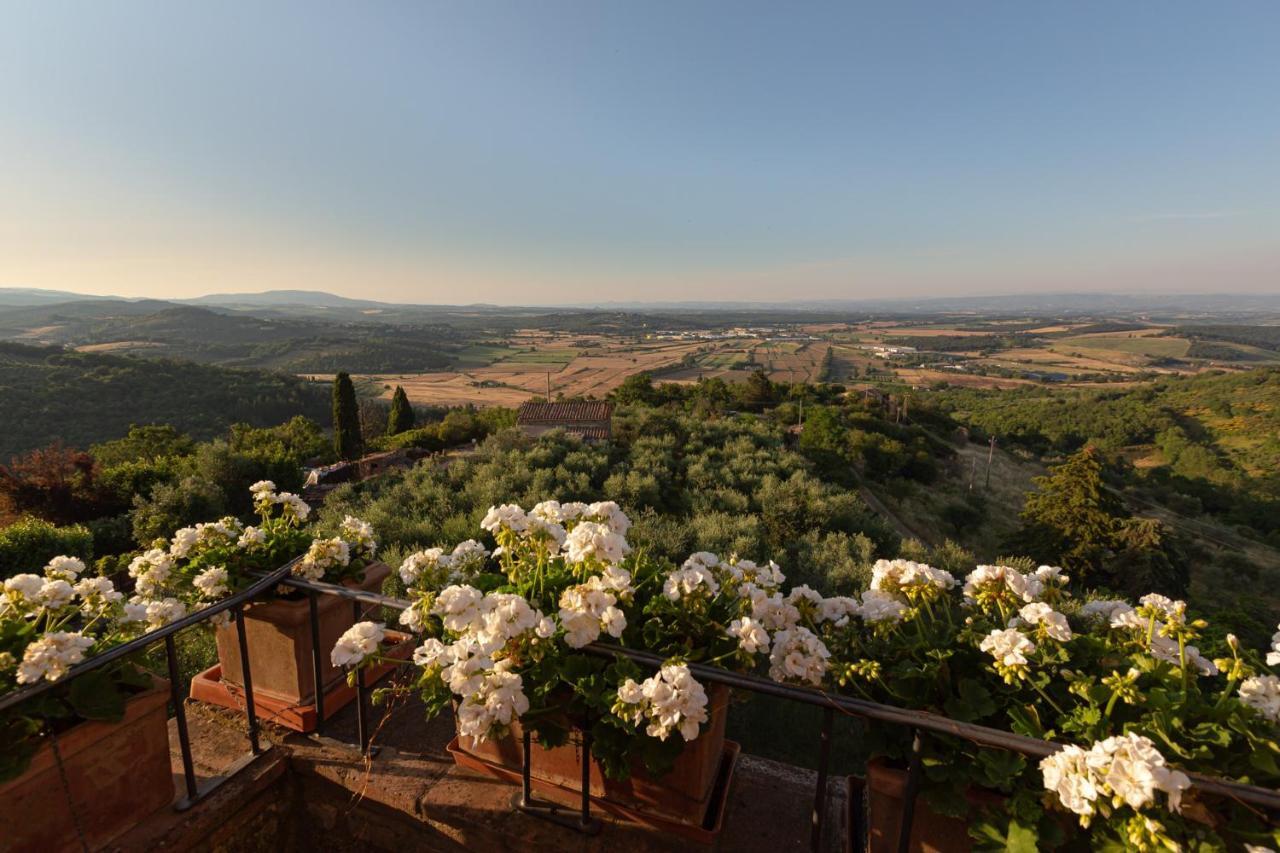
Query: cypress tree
[[346, 418], [401, 417]]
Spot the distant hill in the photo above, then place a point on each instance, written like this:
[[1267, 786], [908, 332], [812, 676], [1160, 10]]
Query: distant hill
[[27, 296], [312, 298], [156, 329], [49, 393]]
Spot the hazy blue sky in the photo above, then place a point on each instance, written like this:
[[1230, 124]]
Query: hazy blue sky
[[535, 152]]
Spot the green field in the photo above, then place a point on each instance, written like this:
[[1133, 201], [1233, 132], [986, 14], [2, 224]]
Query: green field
[[545, 356], [1156, 347], [481, 355]]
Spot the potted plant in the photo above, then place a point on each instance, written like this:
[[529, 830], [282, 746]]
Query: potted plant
[[1014, 649], [84, 762], [213, 559], [503, 639]]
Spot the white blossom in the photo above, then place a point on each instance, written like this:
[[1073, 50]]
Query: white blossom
[[1125, 768], [751, 635], [55, 594], [498, 701], [592, 540], [1008, 647], [878, 608], [212, 582], [52, 655], [509, 516], [1053, 623], [65, 568], [321, 557], [798, 655], [1262, 693], [360, 640], [670, 701], [162, 611]]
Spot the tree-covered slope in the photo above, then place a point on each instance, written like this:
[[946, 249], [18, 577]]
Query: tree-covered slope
[[48, 394]]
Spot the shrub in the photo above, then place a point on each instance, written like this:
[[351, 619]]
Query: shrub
[[34, 542]]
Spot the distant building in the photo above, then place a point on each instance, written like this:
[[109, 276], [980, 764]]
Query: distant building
[[591, 420]]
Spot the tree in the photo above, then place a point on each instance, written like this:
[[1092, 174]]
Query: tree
[[1071, 518], [56, 483], [346, 418], [636, 388], [757, 391], [401, 417], [1075, 521]]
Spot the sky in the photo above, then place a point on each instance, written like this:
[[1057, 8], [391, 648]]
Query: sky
[[560, 152]]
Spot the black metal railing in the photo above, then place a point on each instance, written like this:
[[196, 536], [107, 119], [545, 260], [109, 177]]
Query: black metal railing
[[920, 723]]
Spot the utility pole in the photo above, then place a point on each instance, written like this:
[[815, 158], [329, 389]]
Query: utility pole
[[973, 471], [548, 386], [991, 452]]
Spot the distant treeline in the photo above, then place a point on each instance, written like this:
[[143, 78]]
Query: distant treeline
[[1266, 337]]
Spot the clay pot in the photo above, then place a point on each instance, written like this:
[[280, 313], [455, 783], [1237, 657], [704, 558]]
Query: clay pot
[[930, 832], [279, 637], [682, 796], [116, 774]]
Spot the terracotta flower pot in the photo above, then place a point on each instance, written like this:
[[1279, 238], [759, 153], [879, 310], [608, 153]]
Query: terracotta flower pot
[[930, 832], [279, 637], [681, 796], [116, 774]]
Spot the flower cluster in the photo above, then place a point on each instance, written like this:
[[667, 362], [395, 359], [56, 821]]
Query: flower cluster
[[1124, 770], [433, 568], [590, 608], [668, 702], [52, 621]]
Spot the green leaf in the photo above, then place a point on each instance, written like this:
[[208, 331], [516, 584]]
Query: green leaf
[[94, 696]]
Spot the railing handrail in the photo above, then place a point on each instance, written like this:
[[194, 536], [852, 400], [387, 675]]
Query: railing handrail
[[266, 581], [926, 720]]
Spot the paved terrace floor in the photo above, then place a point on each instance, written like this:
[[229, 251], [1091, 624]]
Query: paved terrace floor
[[319, 793]]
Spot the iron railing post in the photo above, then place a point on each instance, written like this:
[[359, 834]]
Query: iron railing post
[[820, 795], [247, 677], [317, 662], [180, 718], [911, 792], [526, 783], [362, 710]]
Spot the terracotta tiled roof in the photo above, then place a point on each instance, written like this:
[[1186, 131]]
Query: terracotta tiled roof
[[565, 413]]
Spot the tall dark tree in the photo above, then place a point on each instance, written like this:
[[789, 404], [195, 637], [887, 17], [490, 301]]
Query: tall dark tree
[[346, 418], [1071, 518], [401, 417]]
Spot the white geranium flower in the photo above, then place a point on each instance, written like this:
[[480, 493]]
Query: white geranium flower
[[183, 542], [1166, 649], [1126, 768], [798, 655], [65, 568], [98, 595], [52, 655], [360, 640], [55, 594], [1053, 623], [163, 611], [212, 582], [1262, 694], [751, 635], [880, 608], [609, 514], [251, 538], [592, 540], [509, 516], [431, 653], [670, 701], [1273, 656]]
